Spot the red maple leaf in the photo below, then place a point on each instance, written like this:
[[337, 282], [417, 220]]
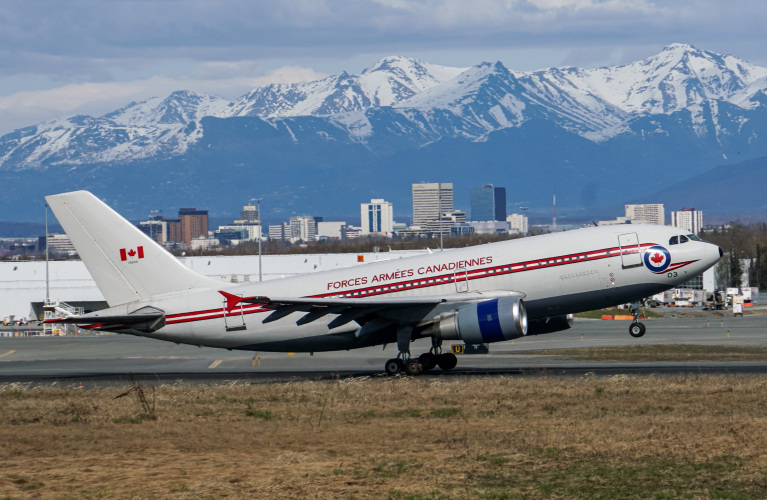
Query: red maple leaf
[[132, 252], [657, 258]]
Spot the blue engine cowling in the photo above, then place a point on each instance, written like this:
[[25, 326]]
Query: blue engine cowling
[[493, 320]]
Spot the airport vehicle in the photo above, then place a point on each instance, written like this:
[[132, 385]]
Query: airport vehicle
[[481, 294], [716, 300]]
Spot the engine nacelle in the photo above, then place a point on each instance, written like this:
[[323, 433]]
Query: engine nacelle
[[492, 320], [551, 324]]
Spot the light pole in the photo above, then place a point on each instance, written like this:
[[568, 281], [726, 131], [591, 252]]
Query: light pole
[[47, 285], [439, 214], [260, 233]]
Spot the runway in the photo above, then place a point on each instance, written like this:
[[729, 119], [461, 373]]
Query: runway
[[96, 360]]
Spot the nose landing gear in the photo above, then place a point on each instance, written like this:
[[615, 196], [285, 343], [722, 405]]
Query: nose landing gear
[[636, 329]]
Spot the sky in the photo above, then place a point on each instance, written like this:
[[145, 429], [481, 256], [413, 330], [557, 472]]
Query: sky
[[66, 57]]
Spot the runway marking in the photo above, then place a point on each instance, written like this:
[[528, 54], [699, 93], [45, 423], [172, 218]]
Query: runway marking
[[7, 353], [215, 363]]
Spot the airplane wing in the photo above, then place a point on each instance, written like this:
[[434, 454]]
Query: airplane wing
[[146, 319], [351, 309]]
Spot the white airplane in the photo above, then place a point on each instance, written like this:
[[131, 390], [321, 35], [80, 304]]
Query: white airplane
[[480, 294]]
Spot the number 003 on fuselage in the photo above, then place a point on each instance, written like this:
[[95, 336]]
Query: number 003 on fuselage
[[486, 293]]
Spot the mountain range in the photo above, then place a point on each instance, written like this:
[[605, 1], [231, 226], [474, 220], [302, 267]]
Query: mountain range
[[598, 138]]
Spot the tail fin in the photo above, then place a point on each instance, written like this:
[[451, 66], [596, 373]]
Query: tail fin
[[125, 263]]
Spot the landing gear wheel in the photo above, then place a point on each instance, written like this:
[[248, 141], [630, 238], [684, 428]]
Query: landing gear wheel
[[427, 360], [447, 361], [413, 367], [636, 330], [394, 366]]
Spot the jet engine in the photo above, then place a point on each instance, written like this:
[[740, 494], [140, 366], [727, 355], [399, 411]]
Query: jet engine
[[493, 320], [551, 324]]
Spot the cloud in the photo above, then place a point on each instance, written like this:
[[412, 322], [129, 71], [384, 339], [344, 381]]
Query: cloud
[[60, 53], [226, 79]]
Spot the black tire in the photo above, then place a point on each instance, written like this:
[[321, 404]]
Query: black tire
[[394, 366], [447, 361], [427, 360], [413, 367], [636, 330]]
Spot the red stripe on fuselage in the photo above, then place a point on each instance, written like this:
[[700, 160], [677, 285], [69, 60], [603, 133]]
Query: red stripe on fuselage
[[415, 284]]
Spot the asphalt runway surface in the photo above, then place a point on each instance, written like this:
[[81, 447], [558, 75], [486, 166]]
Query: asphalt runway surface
[[98, 360]]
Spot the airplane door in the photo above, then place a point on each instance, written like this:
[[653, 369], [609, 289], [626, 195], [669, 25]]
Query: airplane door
[[235, 319], [631, 256], [461, 279]]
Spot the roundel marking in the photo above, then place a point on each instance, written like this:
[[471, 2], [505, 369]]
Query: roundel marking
[[657, 259]]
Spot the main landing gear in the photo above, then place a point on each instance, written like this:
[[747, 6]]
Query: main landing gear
[[636, 329], [426, 361]]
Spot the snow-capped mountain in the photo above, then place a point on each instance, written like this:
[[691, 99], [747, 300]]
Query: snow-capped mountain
[[682, 111], [386, 83], [155, 127]]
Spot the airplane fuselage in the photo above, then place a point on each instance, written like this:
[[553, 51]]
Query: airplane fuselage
[[556, 274]]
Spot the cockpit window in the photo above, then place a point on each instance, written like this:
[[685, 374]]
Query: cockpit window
[[683, 239], [693, 237], [674, 240]]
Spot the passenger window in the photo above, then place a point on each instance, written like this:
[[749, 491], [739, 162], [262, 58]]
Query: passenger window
[[674, 240], [683, 239]]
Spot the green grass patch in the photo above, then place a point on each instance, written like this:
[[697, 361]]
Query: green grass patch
[[667, 352], [604, 479], [260, 414], [445, 412]]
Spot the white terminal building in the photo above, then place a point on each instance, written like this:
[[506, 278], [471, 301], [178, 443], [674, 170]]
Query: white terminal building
[[377, 217], [689, 219]]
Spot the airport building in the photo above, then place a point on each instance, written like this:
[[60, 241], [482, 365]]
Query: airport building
[[22, 283], [689, 219], [649, 213], [488, 203]]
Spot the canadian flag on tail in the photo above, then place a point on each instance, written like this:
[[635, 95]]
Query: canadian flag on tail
[[126, 254]]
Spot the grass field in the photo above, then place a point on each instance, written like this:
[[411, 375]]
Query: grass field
[[398, 438]]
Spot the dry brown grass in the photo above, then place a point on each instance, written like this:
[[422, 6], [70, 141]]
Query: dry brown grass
[[401, 438]]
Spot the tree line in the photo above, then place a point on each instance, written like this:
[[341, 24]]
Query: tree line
[[745, 247]]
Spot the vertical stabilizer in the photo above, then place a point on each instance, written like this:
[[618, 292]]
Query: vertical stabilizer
[[125, 263]]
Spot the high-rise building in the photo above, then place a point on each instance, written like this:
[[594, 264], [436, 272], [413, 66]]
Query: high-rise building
[[447, 221], [156, 228], [517, 222], [280, 232], [60, 244], [377, 217], [303, 228], [330, 229], [689, 219], [194, 224], [488, 203], [430, 200], [649, 213], [249, 214]]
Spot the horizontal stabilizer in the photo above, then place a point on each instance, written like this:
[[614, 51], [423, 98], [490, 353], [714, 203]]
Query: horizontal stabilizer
[[147, 319]]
